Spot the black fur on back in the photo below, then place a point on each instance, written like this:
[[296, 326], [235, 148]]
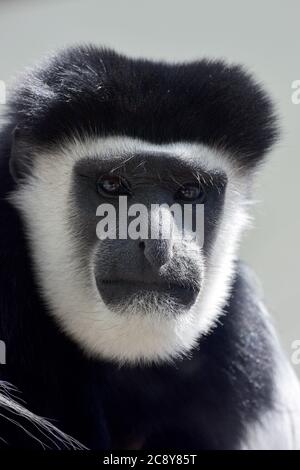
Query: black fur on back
[[96, 91]]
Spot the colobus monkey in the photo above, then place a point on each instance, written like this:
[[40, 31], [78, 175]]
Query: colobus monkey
[[136, 343]]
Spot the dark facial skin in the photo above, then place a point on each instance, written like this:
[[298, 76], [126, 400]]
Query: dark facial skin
[[160, 268]]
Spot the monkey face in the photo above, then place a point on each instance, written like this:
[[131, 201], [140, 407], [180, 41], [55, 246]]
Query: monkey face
[[153, 242], [148, 258], [116, 255]]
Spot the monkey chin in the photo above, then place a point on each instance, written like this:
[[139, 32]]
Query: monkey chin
[[166, 299]]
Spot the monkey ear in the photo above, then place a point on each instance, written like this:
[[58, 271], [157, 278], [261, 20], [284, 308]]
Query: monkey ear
[[19, 155]]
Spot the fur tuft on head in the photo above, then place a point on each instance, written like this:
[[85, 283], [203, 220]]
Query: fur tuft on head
[[98, 92]]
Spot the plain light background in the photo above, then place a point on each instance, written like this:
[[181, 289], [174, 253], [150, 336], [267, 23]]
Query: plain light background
[[262, 34]]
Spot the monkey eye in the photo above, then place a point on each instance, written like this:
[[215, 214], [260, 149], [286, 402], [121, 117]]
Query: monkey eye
[[190, 192], [111, 185]]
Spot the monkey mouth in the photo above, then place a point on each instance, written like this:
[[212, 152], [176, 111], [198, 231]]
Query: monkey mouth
[[118, 291]]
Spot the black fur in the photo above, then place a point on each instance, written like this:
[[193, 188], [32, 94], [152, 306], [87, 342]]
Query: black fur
[[99, 92], [204, 401]]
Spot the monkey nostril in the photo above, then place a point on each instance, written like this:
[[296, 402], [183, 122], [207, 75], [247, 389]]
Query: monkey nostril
[[158, 252], [142, 245]]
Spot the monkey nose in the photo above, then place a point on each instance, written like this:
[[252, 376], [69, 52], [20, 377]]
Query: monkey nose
[[157, 252]]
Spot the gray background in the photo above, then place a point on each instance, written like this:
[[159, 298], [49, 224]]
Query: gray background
[[264, 35]]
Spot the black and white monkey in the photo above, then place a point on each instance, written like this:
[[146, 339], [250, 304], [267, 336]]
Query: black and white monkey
[[148, 343]]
